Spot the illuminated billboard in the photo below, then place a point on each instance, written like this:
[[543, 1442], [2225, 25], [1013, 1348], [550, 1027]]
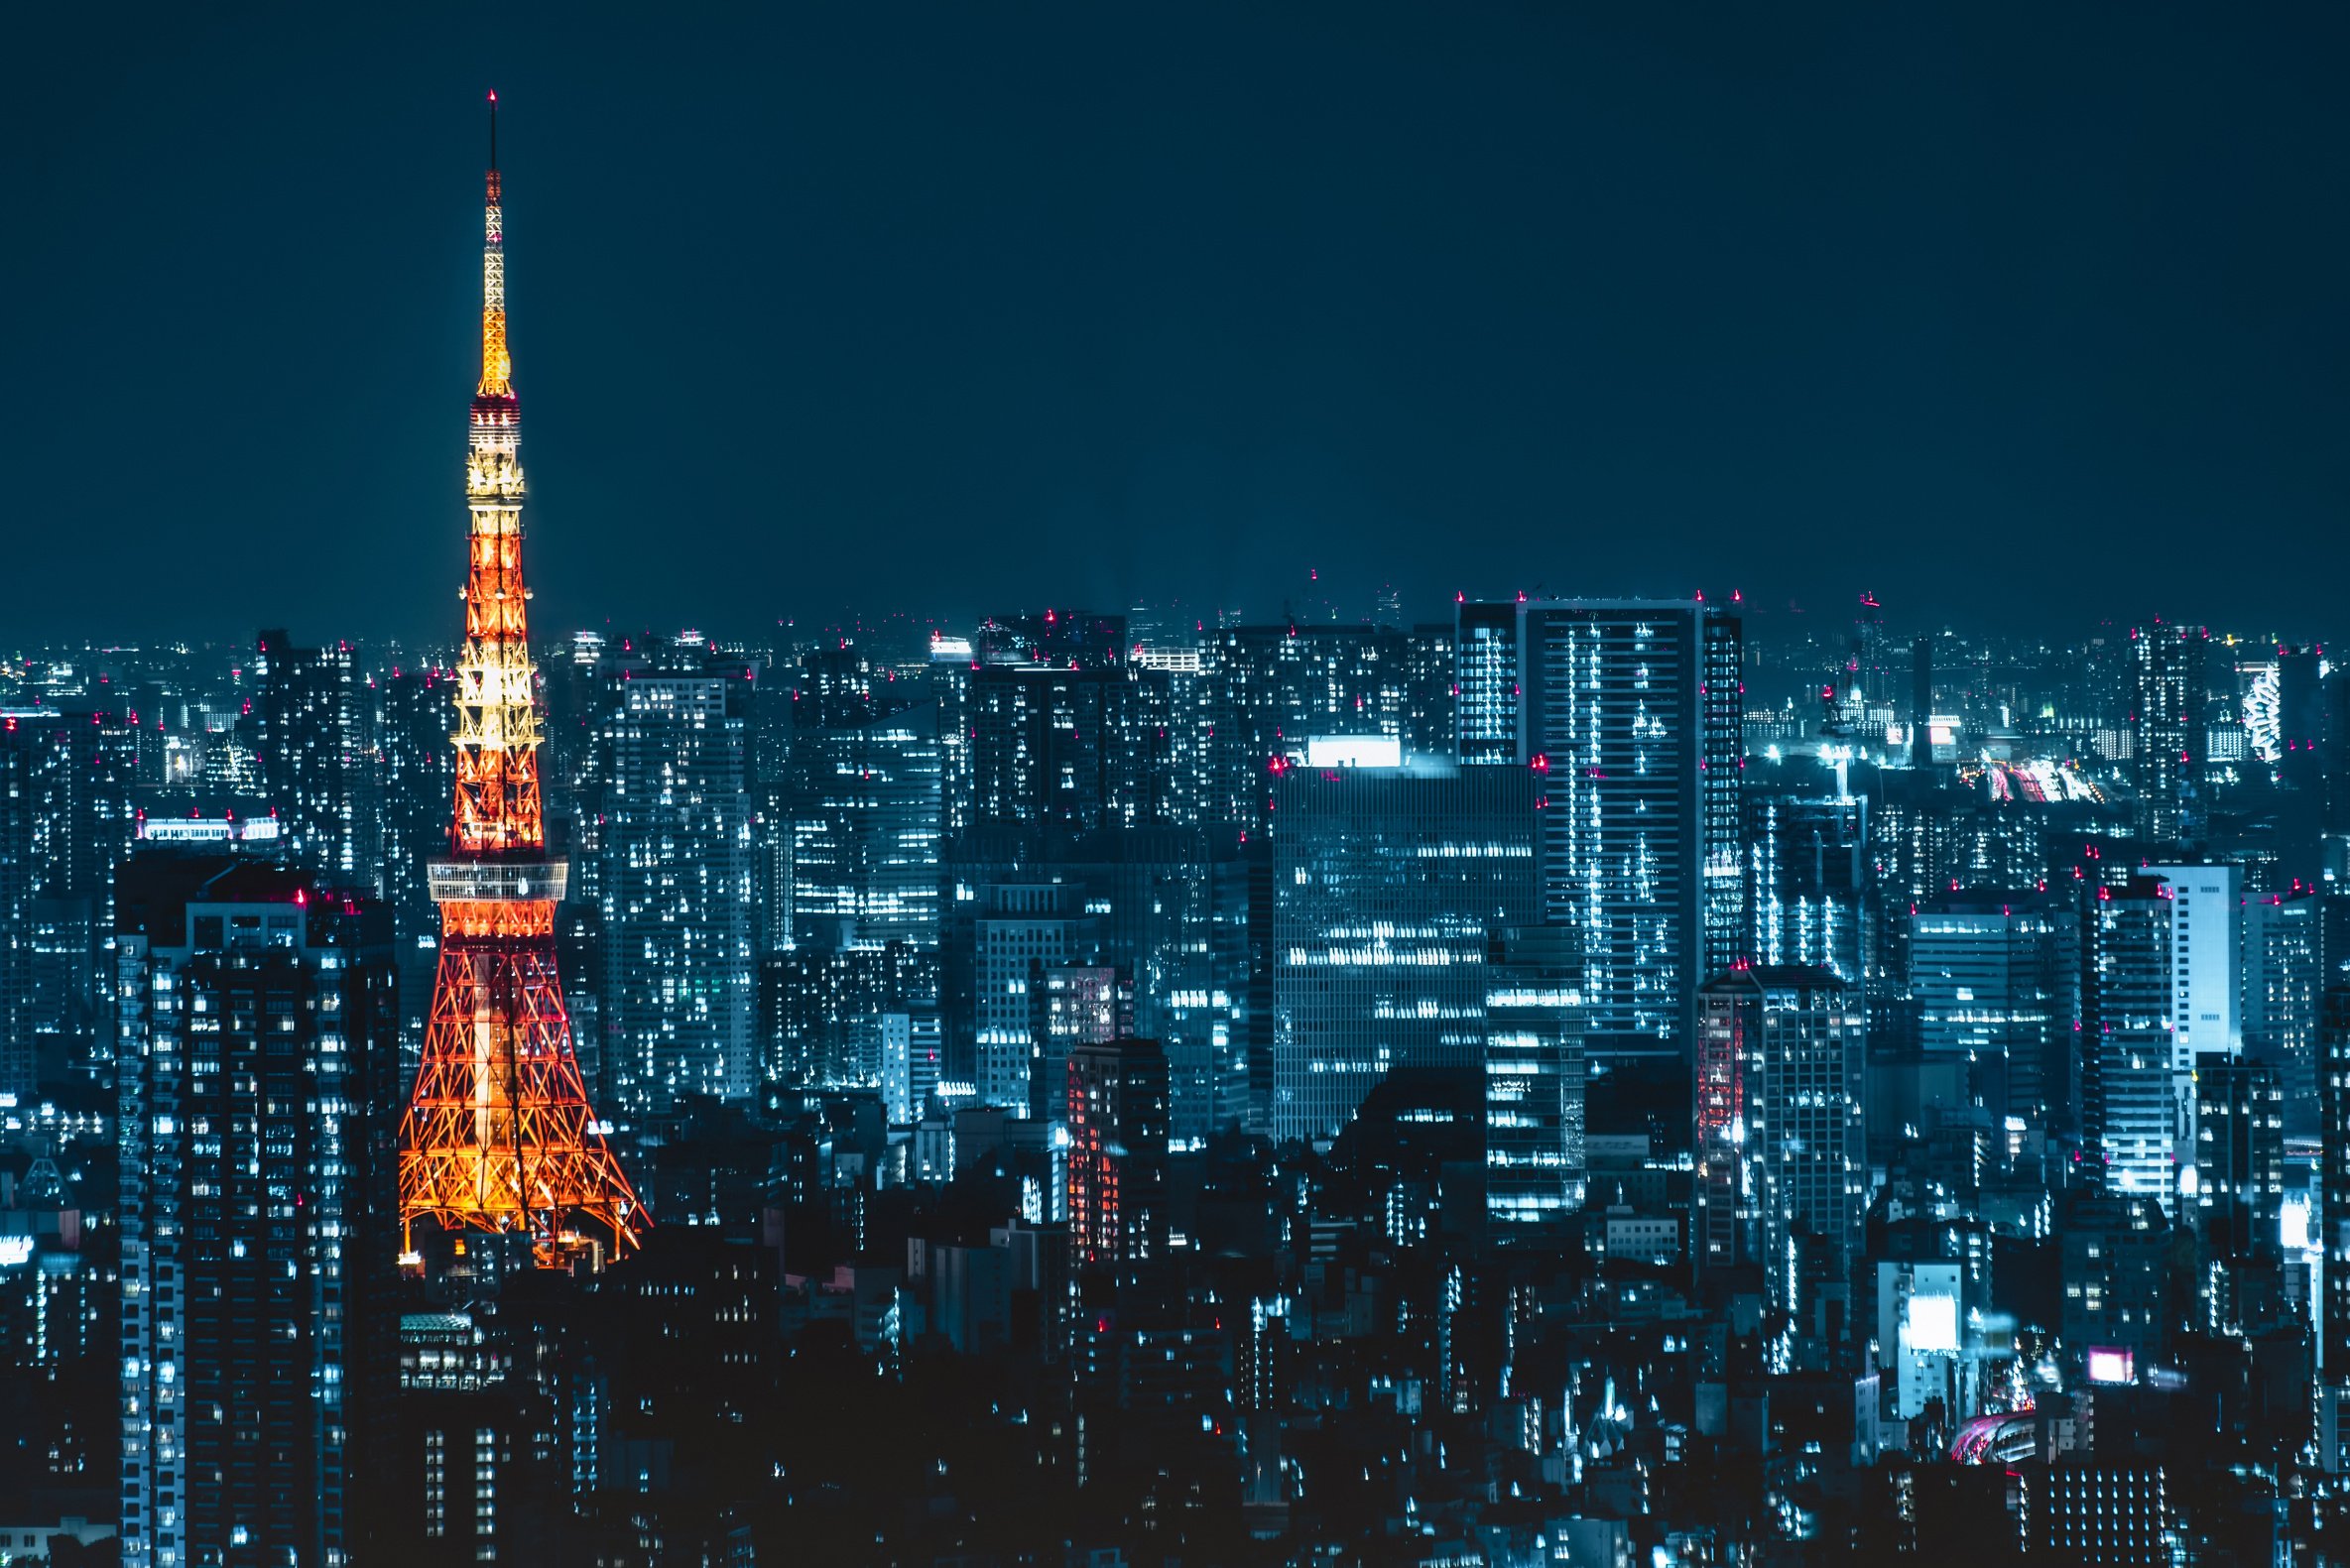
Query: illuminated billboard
[[1933, 1323]]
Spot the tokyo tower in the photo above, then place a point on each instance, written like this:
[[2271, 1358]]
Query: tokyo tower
[[498, 1134]]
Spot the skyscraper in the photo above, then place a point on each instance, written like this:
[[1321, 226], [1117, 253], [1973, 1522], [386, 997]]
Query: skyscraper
[[1116, 1113], [255, 1042], [676, 888], [2132, 1084], [1921, 714], [1534, 1162], [463, 1430], [1631, 713], [1027, 928], [2283, 977], [1430, 723], [1486, 706], [1070, 1006], [2239, 1181], [1806, 871], [1164, 907], [411, 713], [911, 1056], [1778, 1140], [1066, 731], [66, 818], [863, 802], [316, 741], [1994, 978], [824, 1012], [2206, 957], [1275, 687], [2165, 737], [1387, 888]]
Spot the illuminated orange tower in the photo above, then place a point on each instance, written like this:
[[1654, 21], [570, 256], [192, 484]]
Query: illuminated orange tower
[[498, 1134]]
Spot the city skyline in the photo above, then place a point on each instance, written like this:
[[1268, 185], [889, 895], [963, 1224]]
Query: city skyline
[[1583, 1071]]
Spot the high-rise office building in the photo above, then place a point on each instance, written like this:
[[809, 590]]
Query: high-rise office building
[[1116, 1113], [1865, 665], [1164, 908], [1631, 713], [2132, 1078], [1912, 847], [676, 888], [1065, 730], [2115, 1256], [2093, 1512], [463, 1442], [1921, 713], [1778, 1137], [1486, 706], [419, 775], [1994, 978], [1070, 1005], [863, 805], [256, 1044], [2165, 736], [1806, 872], [66, 816], [1431, 724], [2206, 957], [824, 1012], [26, 749], [2285, 715], [1388, 885], [1534, 1160], [2239, 1181], [1028, 928], [1275, 686], [60, 1298], [1186, 699], [315, 743], [2284, 976]]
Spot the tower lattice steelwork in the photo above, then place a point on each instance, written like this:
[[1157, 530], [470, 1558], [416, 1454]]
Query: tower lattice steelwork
[[498, 1133]]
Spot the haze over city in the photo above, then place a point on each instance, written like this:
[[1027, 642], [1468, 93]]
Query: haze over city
[[1072, 306]]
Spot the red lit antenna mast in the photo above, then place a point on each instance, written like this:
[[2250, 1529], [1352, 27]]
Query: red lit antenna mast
[[498, 1134]]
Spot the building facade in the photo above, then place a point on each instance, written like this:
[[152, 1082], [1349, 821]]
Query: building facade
[[675, 895], [2133, 1083], [2165, 737], [1388, 886], [1994, 978], [864, 807], [1632, 714], [1778, 1137], [257, 1032]]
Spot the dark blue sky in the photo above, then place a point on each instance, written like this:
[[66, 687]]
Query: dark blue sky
[[2005, 312]]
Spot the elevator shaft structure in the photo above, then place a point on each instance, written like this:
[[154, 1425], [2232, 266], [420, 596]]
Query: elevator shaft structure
[[498, 1133]]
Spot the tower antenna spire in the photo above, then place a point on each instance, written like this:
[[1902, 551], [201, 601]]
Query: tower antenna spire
[[497, 365]]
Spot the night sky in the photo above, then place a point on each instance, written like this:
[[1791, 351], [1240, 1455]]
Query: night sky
[[2008, 313]]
